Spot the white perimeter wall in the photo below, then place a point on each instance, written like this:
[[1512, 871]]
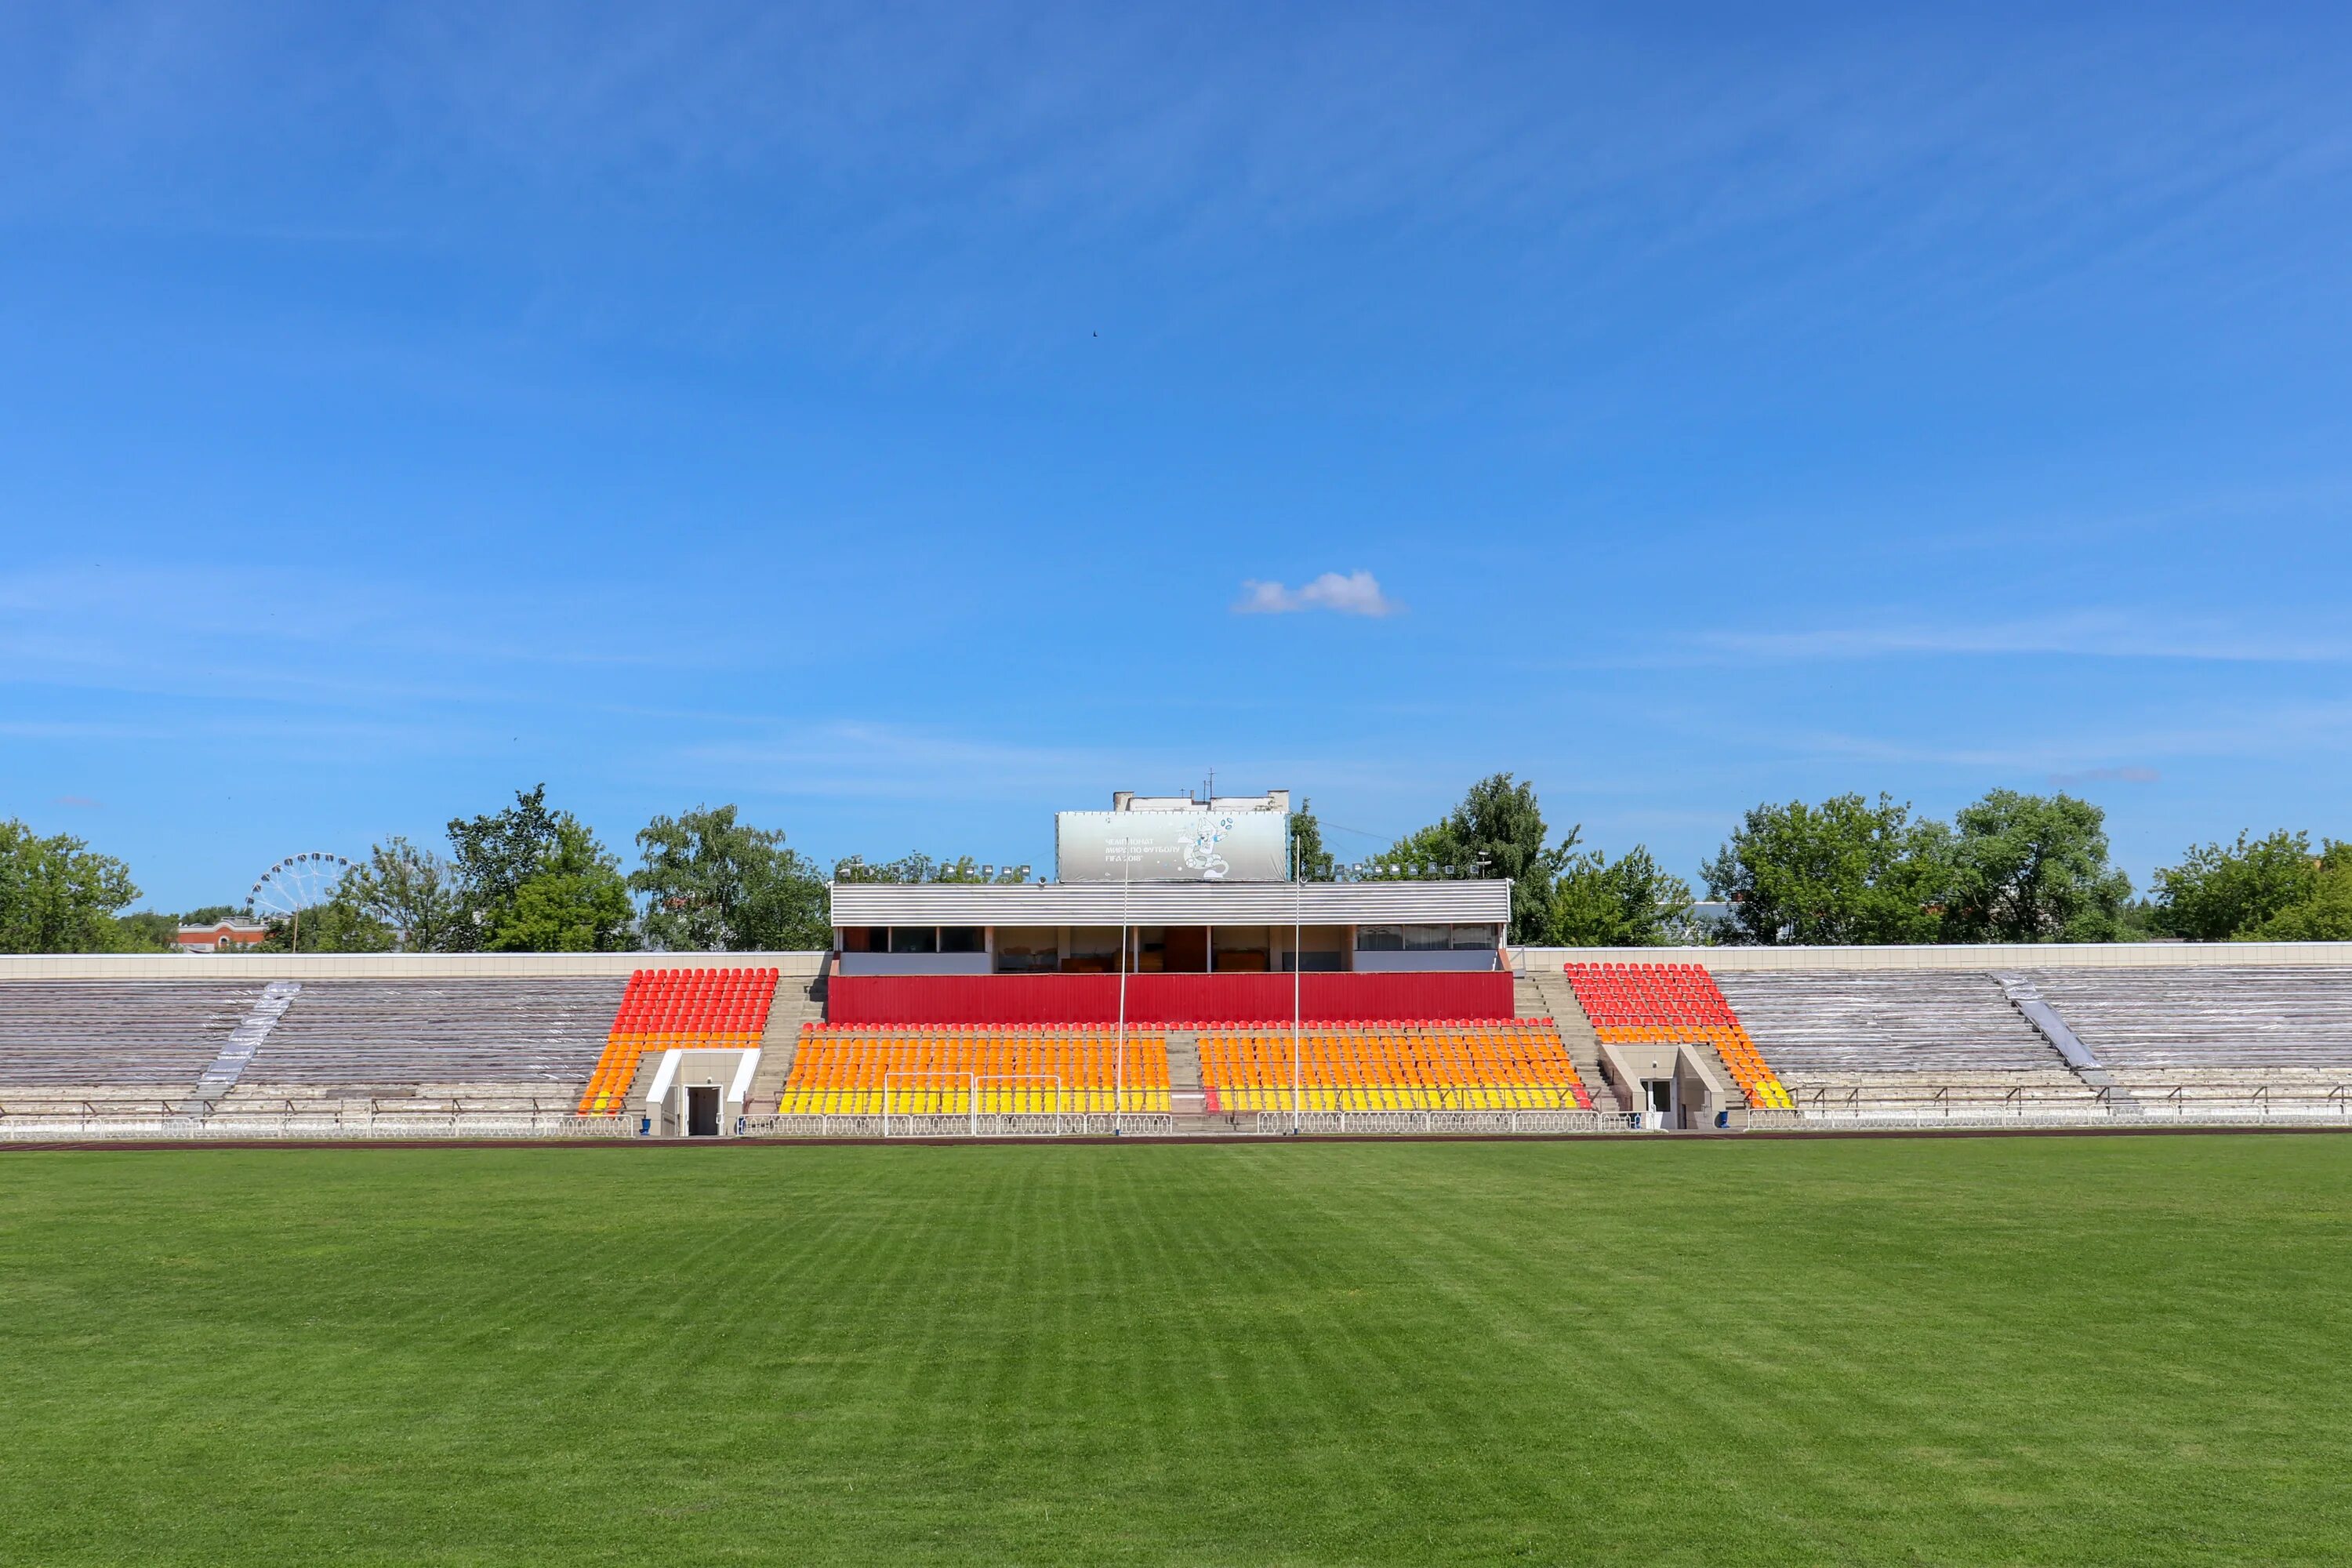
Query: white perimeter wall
[[805, 965], [256, 966], [2002, 956]]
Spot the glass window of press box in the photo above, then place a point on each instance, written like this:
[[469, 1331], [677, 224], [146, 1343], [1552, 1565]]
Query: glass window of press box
[[1425, 938]]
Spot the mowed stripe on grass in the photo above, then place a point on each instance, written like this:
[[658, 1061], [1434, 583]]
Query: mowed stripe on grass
[[1996, 1350]]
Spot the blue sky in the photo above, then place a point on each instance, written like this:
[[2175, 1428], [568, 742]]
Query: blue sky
[[905, 421]]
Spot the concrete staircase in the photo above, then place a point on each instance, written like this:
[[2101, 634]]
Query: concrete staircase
[[1185, 1095], [1540, 993], [2027, 998], [800, 999]]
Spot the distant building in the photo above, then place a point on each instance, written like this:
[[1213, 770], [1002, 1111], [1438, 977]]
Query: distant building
[[232, 935]]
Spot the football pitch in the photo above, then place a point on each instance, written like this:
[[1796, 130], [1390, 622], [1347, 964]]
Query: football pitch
[[1942, 1350]]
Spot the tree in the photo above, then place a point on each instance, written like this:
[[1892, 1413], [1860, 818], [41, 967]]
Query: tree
[[1629, 903], [411, 892], [1845, 871], [2219, 891], [56, 895], [1497, 830], [145, 930], [494, 855], [2030, 868], [714, 884], [921, 867], [2323, 913], [575, 900], [337, 925], [534, 880], [1314, 863]]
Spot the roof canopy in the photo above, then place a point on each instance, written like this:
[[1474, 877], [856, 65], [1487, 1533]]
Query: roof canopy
[[1168, 903]]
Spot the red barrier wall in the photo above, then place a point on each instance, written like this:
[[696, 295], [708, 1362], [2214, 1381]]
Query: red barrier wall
[[1160, 998]]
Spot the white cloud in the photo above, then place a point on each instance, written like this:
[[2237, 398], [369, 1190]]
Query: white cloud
[[1357, 593]]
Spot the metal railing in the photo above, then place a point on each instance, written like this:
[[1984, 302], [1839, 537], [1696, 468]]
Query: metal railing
[[1280, 1124], [962, 1124], [2206, 1104], [108, 1124]]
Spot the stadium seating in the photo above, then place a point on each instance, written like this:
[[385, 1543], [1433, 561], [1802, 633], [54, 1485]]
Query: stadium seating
[[859, 1070], [678, 1009], [151, 1037], [2159, 1028], [445, 1034], [1674, 1003], [1433, 1065], [1833, 1023]]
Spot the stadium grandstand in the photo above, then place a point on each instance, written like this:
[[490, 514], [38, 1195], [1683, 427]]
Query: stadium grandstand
[[1171, 978]]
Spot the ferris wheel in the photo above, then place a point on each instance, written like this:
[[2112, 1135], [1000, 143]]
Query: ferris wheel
[[297, 883]]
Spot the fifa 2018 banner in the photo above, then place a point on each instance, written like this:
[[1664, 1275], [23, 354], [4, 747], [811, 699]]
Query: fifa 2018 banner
[[1172, 845]]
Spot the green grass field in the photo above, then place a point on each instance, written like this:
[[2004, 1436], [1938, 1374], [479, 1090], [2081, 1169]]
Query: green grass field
[[2029, 1350]]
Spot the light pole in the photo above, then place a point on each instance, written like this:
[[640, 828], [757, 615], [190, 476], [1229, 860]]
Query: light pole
[[1118, 1075], [1297, 919]]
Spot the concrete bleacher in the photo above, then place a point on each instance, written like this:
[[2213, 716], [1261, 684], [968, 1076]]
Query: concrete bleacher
[[68, 1039], [1879, 1038], [2216, 1030], [157, 1043], [472, 1040]]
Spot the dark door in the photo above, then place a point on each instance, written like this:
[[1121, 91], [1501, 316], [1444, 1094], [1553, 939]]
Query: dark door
[[702, 1111], [1188, 949]]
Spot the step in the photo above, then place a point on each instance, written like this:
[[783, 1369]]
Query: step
[[1186, 1096], [1557, 1000], [800, 999]]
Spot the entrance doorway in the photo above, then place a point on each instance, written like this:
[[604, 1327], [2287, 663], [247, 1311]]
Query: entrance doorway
[[1658, 1098], [702, 1111]]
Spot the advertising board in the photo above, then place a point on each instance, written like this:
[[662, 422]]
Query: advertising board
[[1172, 845]]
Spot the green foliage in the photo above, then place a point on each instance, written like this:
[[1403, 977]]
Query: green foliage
[[1845, 871], [535, 880], [920, 867], [2030, 868], [575, 902], [714, 884], [336, 926], [410, 892], [2325, 912], [1497, 830], [56, 895], [2219, 891], [1313, 862], [1629, 903], [399, 898], [146, 931]]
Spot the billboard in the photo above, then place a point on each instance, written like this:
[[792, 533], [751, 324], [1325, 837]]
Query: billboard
[[1172, 845]]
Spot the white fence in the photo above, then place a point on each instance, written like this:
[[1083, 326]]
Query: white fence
[[2158, 1112], [38, 1127], [1281, 1123], [966, 1124]]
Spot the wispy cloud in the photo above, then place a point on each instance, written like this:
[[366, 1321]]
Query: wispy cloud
[[1355, 594], [82, 801], [2096, 634]]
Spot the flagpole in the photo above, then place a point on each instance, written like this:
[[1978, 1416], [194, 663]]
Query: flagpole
[[1119, 1094]]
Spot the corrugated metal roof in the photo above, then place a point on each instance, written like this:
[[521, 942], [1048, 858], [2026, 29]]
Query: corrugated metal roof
[[1167, 903]]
